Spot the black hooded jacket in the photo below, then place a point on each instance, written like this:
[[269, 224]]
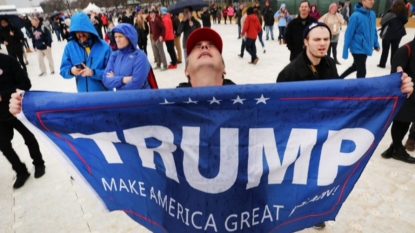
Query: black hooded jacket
[[12, 76], [294, 35], [15, 41], [396, 27], [299, 70], [405, 57]]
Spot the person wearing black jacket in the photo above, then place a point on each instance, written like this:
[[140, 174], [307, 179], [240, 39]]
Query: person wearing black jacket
[[405, 58], [12, 76], [187, 26], [128, 17], [238, 16], [312, 63], [392, 31], [269, 23], [56, 26], [176, 22], [13, 40], [294, 31], [97, 22], [205, 18], [142, 30], [42, 43]]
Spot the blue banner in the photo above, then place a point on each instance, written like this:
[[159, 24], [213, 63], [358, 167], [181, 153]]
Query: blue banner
[[241, 158]]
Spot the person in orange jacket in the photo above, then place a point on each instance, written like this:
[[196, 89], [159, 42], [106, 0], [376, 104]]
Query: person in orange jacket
[[252, 27]]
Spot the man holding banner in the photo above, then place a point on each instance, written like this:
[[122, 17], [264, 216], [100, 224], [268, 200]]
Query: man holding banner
[[12, 76], [241, 158], [313, 63]]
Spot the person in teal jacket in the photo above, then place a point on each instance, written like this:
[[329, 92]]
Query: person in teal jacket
[[85, 56], [128, 67], [361, 38]]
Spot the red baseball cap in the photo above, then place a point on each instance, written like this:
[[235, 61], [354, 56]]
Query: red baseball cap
[[203, 34]]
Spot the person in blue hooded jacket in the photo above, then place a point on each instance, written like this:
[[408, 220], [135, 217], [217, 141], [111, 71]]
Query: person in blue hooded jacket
[[128, 67], [361, 37], [283, 18], [85, 56]]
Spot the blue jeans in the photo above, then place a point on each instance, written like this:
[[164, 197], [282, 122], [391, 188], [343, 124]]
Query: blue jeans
[[281, 36], [239, 31], [269, 29], [58, 34], [260, 38]]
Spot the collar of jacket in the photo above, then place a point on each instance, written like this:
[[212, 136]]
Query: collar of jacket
[[304, 70]]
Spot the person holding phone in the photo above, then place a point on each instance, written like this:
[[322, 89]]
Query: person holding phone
[[85, 56], [187, 26]]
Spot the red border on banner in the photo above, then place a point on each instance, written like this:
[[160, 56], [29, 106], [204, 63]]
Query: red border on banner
[[395, 98]]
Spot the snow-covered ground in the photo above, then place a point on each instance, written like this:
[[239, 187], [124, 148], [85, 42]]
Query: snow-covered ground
[[382, 201]]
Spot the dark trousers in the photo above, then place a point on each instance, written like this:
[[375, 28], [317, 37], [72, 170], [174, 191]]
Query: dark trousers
[[412, 132], [359, 65], [243, 45], [170, 50], [251, 48], [281, 36], [398, 132], [58, 34], [19, 57], [332, 46], [394, 44], [224, 18], [143, 46], [6, 136], [25, 43]]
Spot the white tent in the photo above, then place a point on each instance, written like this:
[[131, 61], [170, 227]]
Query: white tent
[[92, 7], [29, 10], [8, 10]]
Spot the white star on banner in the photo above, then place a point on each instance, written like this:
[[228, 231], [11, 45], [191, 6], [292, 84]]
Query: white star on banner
[[261, 100], [167, 102], [214, 101], [238, 100], [190, 101]]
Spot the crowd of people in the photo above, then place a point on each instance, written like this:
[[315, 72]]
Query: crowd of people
[[102, 55]]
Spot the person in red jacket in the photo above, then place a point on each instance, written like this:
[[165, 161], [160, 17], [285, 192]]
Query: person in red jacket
[[225, 13], [158, 29], [104, 20], [169, 37], [252, 27]]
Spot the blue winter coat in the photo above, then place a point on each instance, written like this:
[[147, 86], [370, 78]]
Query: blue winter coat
[[361, 35], [75, 53], [128, 61], [282, 22]]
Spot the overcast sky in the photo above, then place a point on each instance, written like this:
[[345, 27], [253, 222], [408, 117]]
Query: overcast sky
[[23, 3]]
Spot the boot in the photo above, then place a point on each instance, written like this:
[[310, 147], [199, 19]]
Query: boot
[[387, 154], [21, 179], [410, 144], [401, 154], [28, 50], [280, 41], [283, 41]]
